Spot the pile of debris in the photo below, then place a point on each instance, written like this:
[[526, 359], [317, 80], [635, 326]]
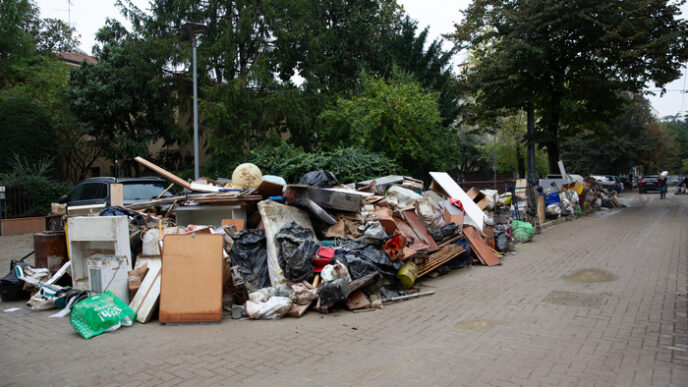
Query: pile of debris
[[260, 248]]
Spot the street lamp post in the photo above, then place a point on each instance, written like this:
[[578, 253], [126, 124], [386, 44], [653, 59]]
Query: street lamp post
[[193, 29]]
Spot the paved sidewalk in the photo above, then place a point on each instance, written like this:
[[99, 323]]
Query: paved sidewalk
[[536, 320]]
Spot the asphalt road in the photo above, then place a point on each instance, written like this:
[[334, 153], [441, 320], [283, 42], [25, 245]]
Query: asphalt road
[[600, 300]]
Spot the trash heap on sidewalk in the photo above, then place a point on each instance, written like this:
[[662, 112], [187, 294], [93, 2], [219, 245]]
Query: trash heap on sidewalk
[[260, 248]]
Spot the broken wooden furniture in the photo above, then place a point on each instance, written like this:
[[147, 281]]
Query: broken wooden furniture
[[191, 278]]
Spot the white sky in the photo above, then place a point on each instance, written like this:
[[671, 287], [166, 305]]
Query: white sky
[[87, 16]]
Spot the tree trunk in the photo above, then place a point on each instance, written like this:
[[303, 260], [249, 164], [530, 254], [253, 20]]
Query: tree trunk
[[553, 148], [520, 161]]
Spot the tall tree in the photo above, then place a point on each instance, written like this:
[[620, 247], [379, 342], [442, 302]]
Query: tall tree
[[253, 49], [573, 60], [429, 63], [125, 101]]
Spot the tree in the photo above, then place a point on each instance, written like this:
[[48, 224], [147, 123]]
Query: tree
[[396, 117], [430, 66], [56, 36], [19, 25], [572, 60], [252, 50], [126, 101], [26, 131], [630, 140]]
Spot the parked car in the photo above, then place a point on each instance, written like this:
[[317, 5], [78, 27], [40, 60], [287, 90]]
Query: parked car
[[94, 193], [648, 183], [627, 183]]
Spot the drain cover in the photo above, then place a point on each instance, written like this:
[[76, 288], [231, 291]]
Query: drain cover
[[590, 275], [582, 300]]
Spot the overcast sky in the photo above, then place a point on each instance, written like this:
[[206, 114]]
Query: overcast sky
[[87, 16]]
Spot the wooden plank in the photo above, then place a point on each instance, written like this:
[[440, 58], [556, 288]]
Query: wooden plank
[[446, 254], [420, 229], [191, 284], [239, 224], [481, 249], [146, 299], [474, 215], [168, 175], [541, 209], [116, 195]]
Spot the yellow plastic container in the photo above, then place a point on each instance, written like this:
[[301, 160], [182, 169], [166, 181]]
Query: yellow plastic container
[[408, 274]]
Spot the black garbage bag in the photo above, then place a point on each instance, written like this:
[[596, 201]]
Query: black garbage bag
[[322, 179], [296, 249], [362, 260], [503, 242], [464, 259], [11, 287], [250, 253], [439, 234]]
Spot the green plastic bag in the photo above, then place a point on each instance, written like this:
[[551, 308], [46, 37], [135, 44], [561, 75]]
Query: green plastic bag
[[100, 313], [522, 231]]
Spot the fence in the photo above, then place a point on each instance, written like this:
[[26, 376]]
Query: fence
[[483, 182], [17, 203]]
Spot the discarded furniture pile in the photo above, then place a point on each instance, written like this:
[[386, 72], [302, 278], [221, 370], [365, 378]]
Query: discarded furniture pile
[[260, 248]]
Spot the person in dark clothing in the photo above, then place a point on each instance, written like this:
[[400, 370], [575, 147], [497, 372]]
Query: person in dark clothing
[[662, 184]]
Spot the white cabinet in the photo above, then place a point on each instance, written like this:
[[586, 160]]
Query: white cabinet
[[92, 238]]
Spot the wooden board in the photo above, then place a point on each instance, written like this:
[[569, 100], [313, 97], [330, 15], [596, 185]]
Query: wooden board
[[191, 284], [146, 299], [482, 250], [474, 215], [116, 195], [541, 209], [420, 229], [239, 224]]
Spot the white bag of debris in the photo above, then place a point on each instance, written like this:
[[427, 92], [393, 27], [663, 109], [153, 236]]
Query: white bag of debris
[[401, 197]]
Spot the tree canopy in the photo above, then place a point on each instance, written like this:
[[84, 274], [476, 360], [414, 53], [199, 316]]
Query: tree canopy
[[573, 60]]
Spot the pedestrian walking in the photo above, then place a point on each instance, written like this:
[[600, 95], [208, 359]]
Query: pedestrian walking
[[663, 184]]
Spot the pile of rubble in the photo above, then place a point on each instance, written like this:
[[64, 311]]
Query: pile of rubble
[[260, 248]]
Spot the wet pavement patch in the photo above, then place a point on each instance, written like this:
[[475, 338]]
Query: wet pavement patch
[[590, 275], [475, 324], [582, 300]]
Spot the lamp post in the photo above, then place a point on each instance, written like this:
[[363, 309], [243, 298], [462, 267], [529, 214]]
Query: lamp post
[[193, 29]]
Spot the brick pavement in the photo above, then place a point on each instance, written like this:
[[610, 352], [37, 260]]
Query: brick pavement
[[521, 323]]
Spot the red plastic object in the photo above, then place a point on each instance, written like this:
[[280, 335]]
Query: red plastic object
[[395, 247], [457, 203], [321, 261], [326, 252]]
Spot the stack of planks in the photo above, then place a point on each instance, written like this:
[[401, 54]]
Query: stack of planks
[[446, 254]]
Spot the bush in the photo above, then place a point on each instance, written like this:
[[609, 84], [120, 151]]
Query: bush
[[289, 162], [37, 188], [25, 129]]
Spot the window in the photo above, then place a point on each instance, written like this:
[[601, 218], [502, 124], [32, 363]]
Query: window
[[144, 191], [94, 191]]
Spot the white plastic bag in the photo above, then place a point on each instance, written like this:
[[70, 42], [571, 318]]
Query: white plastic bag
[[272, 309], [402, 197]]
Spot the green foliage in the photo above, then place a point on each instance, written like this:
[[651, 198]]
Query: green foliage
[[37, 182], [56, 36], [395, 117], [18, 26], [572, 59], [26, 130], [348, 164], [679, 132], [125, 101], [631, 140], [430, 66]]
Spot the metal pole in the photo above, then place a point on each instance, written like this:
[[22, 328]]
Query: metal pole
[[195, 108], [531, 141], [494, 160]]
